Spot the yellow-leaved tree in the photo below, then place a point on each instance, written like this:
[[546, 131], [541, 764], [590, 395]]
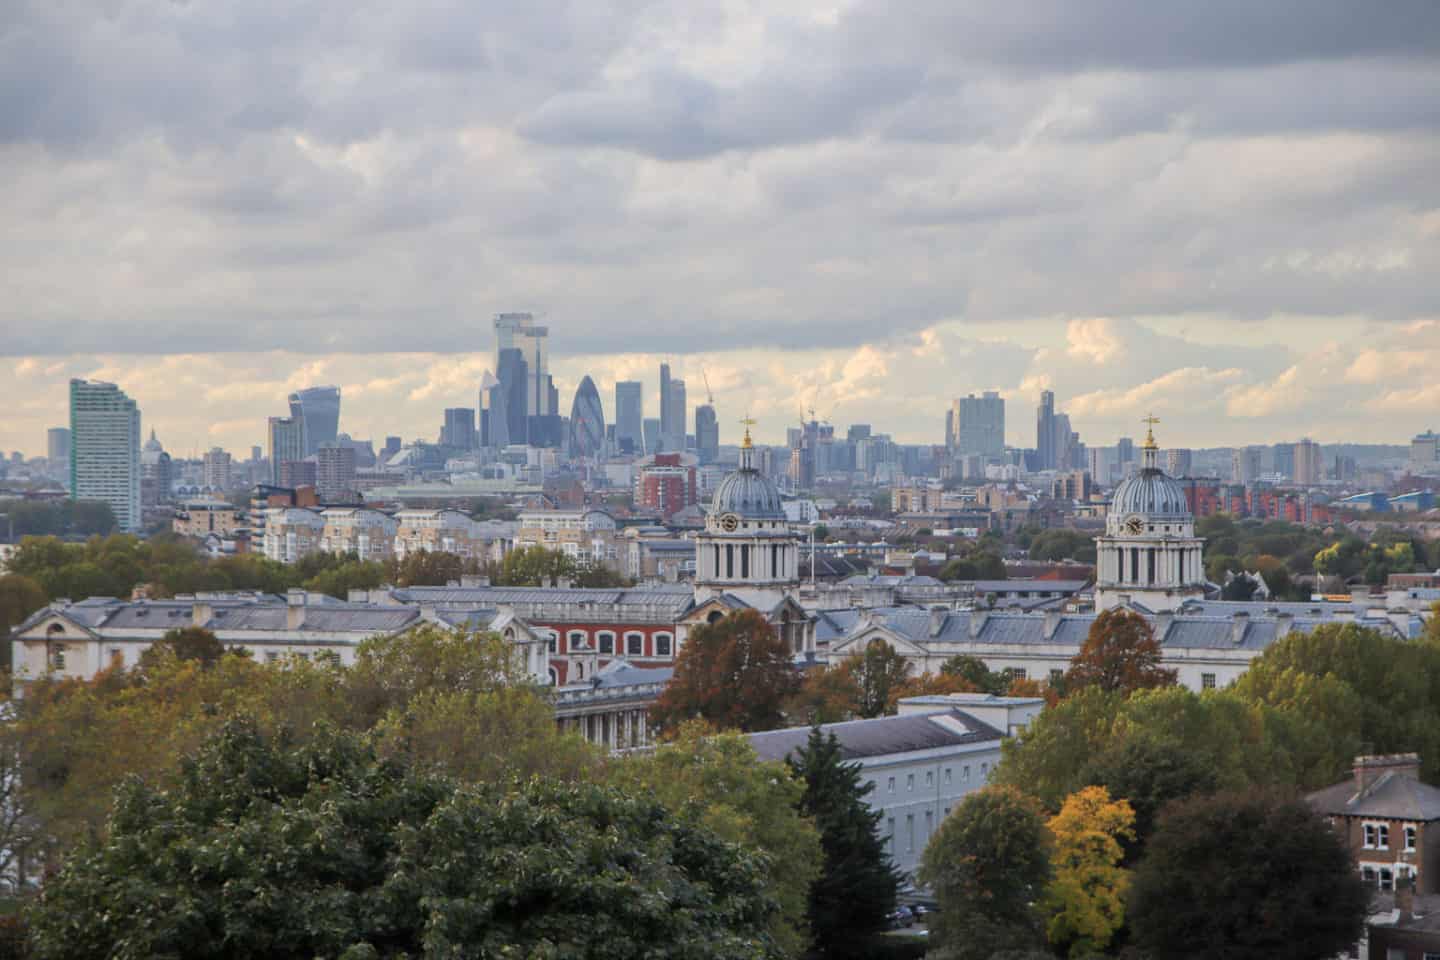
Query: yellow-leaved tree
[[1085, 901]]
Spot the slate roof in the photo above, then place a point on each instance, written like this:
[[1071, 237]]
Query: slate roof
[[323, 619], [675, 596], [883, 735], [1393, 795]]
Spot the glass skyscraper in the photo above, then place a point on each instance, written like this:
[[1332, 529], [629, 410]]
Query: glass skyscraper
[[587, 422], [105, 449], [318, 410], [629, 417]]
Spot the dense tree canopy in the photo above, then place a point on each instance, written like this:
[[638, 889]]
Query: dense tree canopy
[[855, 891], [735, 674], [744, 800], [1246, 876], [185, 643], [987, 866], [57, 518], [267, 849]]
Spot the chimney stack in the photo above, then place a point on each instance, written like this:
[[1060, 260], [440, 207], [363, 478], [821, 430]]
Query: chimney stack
[[938, 615], [1370, 768], [294, 609]]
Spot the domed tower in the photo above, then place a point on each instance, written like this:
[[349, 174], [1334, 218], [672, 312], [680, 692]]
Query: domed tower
[[747, 549], [1149, 552]]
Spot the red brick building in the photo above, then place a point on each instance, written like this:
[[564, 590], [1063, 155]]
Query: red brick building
[[666, 485]]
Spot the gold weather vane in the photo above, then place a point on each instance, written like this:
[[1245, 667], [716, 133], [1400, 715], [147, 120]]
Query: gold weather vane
[[749, 422], [1150, 433]]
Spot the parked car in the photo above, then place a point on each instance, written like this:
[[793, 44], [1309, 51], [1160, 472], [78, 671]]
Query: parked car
[[901, 916]]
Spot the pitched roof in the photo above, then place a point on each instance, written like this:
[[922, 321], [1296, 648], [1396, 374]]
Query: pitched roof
[[1393, 795], [882, 736]]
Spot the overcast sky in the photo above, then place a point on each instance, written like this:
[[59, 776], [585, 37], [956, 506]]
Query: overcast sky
[[1227, 212]]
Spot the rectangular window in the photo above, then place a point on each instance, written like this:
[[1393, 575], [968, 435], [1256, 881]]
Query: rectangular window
[[1056, 676], [272, 656], [965, 772], [984, 769], [929, 778], [1366, 873], [1207, 681], [1387, 879], [1369, 830], [947, 811], [1409, 839], [948, 778], [634, 644], [909, 833], [929, 825], [1019, 673], [910, 782], [891, 787], [1382, 838], [117, 657]]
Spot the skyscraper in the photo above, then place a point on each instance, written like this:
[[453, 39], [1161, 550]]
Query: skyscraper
[[629, 417], [458, 429], [518, 331], [978, 424], [287, 445], [508, 412], [317, 409], [675, 441], [707, 433], [1045, 431], [587, 422], [667, 418], [651, 427], [105, 449], [1282, 459]]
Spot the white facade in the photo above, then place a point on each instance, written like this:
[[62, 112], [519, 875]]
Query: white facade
[[291, 533]]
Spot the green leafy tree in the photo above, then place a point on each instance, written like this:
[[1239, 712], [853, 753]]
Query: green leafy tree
[[744, 800], [879, 672], [855, 891], [261, 849], [1149, 771], [535, 567], [185, 643], [988, 865], [735, 673], [351, 575], [974, 670], [1120, 654], [1086, 897], [20, 596], [1246, 876]]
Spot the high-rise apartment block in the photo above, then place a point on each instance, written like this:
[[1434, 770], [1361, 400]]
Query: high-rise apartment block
[[105, 449], [317, 410], [1179, 462], [1057, 447], [216, 470], [334, 471], [979, 425], [1308, 467], [287, 445], [629, 417]]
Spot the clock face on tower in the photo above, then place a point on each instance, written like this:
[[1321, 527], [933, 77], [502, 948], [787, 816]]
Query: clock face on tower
[[729, 523], [1135, 526]]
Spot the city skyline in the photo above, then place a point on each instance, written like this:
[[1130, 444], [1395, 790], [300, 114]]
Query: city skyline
[[1130, 205], [1101, 378]]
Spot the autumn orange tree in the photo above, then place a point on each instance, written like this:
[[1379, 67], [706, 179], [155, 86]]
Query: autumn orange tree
[[735, 673], [1120, 654]]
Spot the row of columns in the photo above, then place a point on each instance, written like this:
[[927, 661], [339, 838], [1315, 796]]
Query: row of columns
[[614, 730]]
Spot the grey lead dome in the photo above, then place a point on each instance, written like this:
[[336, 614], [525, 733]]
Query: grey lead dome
[[1151, 493], [748, 494]]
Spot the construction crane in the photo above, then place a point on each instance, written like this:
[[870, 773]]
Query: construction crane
[[709, 394]]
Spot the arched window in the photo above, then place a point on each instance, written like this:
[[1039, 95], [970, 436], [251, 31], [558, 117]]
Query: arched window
[[606, 639], [578, 640], [579, 671], [715, 617], [554, 678], [662, 644], [635, 644], [552, 641]]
